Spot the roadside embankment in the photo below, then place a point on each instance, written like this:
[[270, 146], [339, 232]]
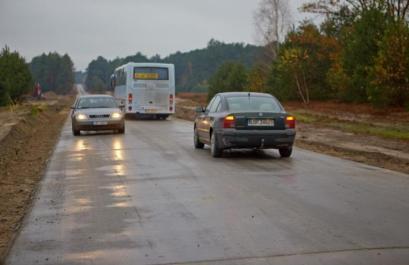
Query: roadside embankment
[[185, 109], [28, 134], [355, 132]]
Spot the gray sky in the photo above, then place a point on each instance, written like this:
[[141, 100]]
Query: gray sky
[[87, 28]]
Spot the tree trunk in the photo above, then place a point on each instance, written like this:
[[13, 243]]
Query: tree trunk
[[307, 91], [300, 92]]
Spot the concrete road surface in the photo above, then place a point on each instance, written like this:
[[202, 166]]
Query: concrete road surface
[[81, 89], [148, 197]]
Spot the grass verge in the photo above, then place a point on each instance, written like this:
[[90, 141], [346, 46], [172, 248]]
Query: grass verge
[[389, 131]]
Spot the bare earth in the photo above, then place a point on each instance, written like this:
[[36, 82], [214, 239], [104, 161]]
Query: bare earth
[[27, 137]]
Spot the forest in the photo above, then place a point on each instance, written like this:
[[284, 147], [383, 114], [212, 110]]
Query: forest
[[52, 71], [359, 53], [193, 68]]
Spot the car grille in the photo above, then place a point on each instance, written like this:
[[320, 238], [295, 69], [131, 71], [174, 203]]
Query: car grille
[[99, 116]]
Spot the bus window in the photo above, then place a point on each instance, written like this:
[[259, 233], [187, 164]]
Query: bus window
[[151, 73], [120, 78]]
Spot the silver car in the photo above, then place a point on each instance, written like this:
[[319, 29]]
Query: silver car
[[96, 113]]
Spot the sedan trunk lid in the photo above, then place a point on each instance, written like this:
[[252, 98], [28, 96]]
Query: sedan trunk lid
[[259, 121]]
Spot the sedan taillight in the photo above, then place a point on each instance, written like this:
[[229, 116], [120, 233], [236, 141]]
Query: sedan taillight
[[229, 121], [290, 122]]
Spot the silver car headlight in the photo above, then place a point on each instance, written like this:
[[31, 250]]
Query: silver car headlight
[[81, 117], [116, 115]]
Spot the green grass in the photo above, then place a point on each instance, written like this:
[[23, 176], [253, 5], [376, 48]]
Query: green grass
[[389, 131], [36, 109], [302, 117]]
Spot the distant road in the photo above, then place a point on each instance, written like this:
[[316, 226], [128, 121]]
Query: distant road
[[81, 89], [148, 197]]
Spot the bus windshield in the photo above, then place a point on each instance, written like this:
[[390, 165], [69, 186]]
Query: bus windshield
[[151, 73]]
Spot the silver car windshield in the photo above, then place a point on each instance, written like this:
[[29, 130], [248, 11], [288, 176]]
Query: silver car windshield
[[96, 103], [253, 104]]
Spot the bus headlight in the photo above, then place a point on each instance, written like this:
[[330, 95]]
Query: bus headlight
[[81, 117], [116, 115]]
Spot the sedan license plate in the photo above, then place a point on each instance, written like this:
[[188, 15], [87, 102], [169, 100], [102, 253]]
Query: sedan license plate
[[261, 122], [100, 123]]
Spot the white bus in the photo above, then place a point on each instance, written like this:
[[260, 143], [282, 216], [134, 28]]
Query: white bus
[[145, 89]]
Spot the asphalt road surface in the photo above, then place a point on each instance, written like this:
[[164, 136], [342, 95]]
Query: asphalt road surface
[[148, 197]]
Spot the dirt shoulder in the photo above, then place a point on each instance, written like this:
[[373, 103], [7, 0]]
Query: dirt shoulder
[[28, 134], [356, 132]]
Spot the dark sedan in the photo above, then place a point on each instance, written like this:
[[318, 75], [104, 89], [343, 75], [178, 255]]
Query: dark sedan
[[244, 120]]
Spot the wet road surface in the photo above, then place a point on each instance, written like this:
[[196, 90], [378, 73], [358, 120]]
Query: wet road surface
[[147, 197]]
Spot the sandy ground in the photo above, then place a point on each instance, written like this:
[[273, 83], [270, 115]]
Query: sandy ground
[[27, 137], [377, 151]]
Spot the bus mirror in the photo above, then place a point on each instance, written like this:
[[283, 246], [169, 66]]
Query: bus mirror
[[113, 82]]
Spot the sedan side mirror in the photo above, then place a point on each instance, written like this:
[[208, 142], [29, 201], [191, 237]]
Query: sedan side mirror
[[200, 109], [72, 107]]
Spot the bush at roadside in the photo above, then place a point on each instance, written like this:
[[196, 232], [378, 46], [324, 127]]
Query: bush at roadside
[[15, 77]]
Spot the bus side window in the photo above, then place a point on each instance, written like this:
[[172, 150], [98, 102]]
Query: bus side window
[[120, 78]]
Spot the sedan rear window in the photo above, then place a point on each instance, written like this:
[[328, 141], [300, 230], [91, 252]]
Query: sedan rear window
[[253, 104]]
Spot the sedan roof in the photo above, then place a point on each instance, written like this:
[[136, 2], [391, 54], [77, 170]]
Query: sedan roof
[[241, 94]]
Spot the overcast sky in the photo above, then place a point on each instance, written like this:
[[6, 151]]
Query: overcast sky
[[87, 28]]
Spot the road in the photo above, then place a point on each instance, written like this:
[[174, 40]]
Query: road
[[81, 89], [147, 197]]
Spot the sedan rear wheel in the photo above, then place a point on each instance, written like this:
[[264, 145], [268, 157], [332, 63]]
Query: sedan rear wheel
[[196, 141], [285, 152], [214, 149]]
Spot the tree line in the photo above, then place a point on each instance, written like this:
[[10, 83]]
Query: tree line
[[193, 69], [52, 71], [359, 53]]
